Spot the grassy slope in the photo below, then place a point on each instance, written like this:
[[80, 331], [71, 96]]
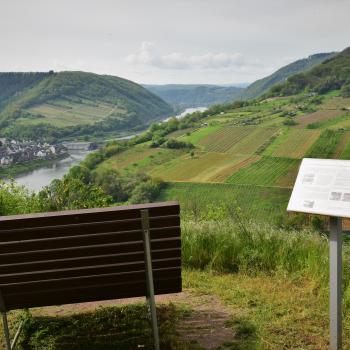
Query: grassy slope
[[258, 162], [69, 98], [332, 74], [263, 85]]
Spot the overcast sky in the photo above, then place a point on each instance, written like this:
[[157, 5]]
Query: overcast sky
[[169, 41]]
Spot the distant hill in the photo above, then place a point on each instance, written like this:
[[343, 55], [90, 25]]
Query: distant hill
[[12, 84], [75, 103], [332, 74], [185, 96], [261, 86]]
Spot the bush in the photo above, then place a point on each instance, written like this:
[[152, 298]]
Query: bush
[[175, 144], [289, 122]]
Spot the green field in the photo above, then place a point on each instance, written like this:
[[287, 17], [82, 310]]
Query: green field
[[202, 167], [262, 203], [140, 158], [67, 113], [320, 116], [292, 143], [265, 172], [250, 147], [225, 138], [326, 145], [196, 136]]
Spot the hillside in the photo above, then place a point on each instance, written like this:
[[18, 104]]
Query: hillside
[[186, 96], [261, 86], [75, 103], [241, 155], [332, 74], [12, 84]]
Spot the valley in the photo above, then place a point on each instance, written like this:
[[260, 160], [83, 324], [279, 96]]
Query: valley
[[244, 155]]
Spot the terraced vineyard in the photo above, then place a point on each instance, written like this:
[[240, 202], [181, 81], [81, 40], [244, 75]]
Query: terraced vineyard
[[203, 167], [224, 173], [265, 172], [254, 141], [293, 143], [326, 145], [318, 116], [67, 113], [225, 138], [249, 155]]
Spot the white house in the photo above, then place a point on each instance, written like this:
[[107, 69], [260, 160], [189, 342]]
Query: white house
[[41, 154], [5, 161]]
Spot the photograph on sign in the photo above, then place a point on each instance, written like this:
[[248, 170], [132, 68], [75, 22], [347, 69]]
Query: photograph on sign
[[322, 187]]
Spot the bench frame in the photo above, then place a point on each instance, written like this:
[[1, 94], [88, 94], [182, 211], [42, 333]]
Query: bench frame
[[150, 295]]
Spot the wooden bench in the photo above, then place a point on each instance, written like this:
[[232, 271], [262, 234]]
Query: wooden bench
[[89, 255]]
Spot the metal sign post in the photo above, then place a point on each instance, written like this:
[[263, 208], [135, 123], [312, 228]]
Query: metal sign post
[[335, 283], [323, 187]]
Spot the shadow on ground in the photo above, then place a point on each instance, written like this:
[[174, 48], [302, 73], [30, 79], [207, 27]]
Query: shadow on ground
[[128, 327]]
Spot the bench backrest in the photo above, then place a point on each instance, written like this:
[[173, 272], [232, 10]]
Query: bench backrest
[[87, 255]]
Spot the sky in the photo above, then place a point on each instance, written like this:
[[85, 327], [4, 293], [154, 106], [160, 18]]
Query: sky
[[169, 41]]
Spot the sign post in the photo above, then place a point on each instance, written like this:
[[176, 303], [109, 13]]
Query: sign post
[[323, 187], [335, 283]]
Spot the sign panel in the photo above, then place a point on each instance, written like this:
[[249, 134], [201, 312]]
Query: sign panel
[[322, 187]]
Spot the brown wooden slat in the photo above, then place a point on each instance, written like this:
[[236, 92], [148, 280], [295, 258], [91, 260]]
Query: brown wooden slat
[[85, 240], [86, 261], [30, 233], [87, 215], [96, 293], [87, 271], [96, 280], [87, 255], [87, 251]]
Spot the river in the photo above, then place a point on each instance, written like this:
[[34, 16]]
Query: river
[[39, 178]]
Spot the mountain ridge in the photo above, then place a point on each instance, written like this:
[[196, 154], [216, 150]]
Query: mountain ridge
[[259, 87], [77, 99], [194, 95]]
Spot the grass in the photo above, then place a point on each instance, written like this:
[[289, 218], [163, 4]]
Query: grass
[[292, 143], [334, 123], [326, 145], [261, 203], [335, 103], [67, 113], [125, 327], [265, 172], [242, 161], [140, 158], [225, 138], [200, 133], [269, 312], [345, 154], [317, 117], [202, 167], [254, 141]]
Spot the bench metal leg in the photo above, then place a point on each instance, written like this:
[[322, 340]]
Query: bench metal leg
[[6, 331], [149, 277], [9, 345]]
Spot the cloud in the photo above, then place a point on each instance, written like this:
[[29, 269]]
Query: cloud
[[148, 55]]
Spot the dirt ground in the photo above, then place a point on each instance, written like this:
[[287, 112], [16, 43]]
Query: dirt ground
[[205, 323]]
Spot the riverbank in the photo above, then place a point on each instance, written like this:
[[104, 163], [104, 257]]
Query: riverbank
[[24, 168]]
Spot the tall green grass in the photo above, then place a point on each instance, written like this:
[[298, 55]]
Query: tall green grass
[[229, 246]]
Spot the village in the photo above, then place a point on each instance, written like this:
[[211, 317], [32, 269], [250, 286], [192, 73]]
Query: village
[[20, 151]]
